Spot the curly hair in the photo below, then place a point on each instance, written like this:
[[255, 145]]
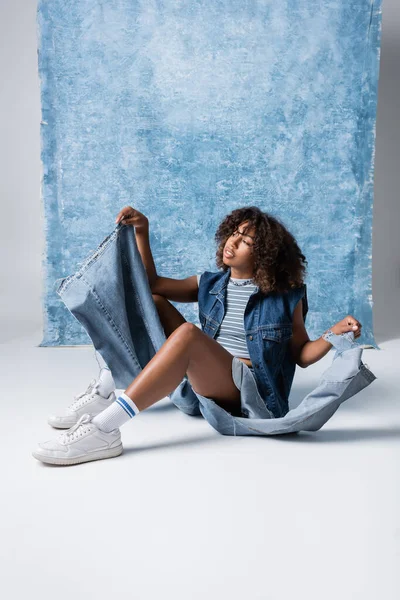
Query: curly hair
[[278, 261]]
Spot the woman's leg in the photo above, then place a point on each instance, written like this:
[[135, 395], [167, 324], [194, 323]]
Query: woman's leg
[[170, 317], [188, 350]]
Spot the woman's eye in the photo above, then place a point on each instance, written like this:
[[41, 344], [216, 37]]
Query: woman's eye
[[236, 233]]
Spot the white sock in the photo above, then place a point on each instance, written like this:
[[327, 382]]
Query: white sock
[[115, 415]]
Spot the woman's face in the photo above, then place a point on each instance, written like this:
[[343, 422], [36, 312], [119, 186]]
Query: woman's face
[[240, 244]]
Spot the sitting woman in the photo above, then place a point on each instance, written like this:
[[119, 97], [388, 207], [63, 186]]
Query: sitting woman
[[243, 358]]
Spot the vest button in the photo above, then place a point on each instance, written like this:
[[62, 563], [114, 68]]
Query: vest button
[[250, 337]]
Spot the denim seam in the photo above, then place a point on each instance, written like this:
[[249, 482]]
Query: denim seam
[[111, 321], [367, 373], [267, 379], [139, 303], [277, 339], [323, 380], [87, 262], [208, 318], [98, 252], [234, 425], [65, 283], [259, 399]]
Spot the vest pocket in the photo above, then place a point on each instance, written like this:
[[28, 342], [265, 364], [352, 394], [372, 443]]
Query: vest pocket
[[277, 333], [208, 326], [275, 340], [202, 318]]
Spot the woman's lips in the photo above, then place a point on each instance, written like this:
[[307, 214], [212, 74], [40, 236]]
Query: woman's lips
[[231, 255]]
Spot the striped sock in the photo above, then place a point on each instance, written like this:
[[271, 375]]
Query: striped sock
[[119, 412]]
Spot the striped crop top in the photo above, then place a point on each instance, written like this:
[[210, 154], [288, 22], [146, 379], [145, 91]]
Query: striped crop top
[[231, 334]]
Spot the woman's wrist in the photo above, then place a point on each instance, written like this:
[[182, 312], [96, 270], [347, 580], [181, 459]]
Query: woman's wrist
[[331, 330], [327, 334]]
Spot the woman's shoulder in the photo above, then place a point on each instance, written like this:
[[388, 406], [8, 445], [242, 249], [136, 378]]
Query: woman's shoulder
[[297, 294], [210, 276]]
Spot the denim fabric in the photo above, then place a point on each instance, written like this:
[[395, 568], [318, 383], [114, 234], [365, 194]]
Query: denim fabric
[[268, 328], [346, 376], [111, 297], [252, 404]]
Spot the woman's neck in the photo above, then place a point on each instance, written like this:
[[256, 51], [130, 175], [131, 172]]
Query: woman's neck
[[237, 275]]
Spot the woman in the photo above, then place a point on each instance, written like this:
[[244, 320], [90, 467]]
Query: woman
[[253, 309]]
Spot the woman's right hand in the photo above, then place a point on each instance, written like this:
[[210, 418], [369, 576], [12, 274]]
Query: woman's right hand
[[131, 216]]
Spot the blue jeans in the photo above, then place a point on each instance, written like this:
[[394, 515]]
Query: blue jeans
[[111, 297]]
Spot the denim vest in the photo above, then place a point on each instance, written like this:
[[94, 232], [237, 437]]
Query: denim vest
[[268, 328]]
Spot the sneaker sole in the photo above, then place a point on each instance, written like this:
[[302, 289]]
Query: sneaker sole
[[53, 460], [58, 425]]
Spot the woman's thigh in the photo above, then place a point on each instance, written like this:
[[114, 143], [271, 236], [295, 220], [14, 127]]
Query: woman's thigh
[[210, 370]]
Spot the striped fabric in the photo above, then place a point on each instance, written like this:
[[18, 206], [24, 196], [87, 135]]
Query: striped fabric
[[231, 334], [123, 404]]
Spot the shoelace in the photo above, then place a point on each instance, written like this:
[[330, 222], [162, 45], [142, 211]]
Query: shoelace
[[76, 431], [82, 399]]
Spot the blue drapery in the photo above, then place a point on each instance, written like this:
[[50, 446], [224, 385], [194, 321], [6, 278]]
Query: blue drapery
[[187, 111]]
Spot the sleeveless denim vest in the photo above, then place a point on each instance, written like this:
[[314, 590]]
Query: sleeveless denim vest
[[268, 328]]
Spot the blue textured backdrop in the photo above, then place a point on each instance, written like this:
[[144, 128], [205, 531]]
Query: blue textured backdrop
[[187, 109]]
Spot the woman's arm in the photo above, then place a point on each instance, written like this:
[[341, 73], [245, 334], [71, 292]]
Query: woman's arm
[[178, 290], [133, 217], [307, 352], [143, 243], [313, 351], [304, 351]]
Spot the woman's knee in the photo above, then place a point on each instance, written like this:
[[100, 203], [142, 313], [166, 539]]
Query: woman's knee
[[187, 330]]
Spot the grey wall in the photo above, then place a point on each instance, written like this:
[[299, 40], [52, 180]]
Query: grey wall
[[386, 238], [21, 235]]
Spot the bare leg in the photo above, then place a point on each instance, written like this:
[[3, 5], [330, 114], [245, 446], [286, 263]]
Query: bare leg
[[188, 350], [170, 317]]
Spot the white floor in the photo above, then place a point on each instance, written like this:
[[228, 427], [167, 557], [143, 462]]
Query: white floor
[[189, 514]]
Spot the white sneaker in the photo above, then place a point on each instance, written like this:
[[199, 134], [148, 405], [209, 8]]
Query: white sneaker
[[89, 402], [81, 443]]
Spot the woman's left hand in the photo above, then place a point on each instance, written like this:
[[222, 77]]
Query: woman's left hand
[[349, 323]]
